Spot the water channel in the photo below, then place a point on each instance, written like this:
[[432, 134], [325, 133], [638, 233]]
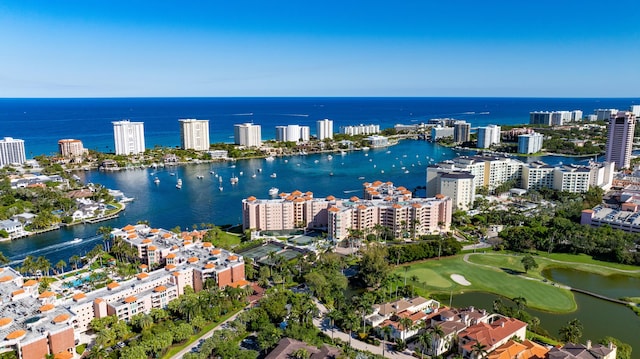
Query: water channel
[[599, 318]]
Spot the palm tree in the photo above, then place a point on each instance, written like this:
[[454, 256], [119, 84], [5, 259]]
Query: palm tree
[[61, 265], [105, 231], [406, 269], [386, 332], [424, 340], [3, 259], [520, 302], [478, 350], [75, 259], [43, 265], [406, 324], [437, 331]]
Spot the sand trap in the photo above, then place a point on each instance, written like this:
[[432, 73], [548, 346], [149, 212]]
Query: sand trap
[[460, 279]]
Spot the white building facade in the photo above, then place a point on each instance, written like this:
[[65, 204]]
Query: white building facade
[[194, 134], [530, 143], [292, 133], [11, 151], [128, 137], [324, 129], [247, 134], [489, 135], [360, 130]]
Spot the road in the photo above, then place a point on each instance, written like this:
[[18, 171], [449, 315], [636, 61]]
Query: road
[[207, 335]]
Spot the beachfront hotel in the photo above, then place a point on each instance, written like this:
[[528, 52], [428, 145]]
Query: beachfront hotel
[[324, 129], [382, 204], [128, 137], [620, 139], [37, 324], [194, 134], [247, 134], [11, 151]]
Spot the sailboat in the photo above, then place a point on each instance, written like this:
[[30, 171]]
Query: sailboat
[[179, 184], [156, 180], [234, 179]]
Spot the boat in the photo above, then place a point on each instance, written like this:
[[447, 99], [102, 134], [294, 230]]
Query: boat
[[316, 161], [286, 161], [274, 175], [172, 174], [199, 176], [156, 180], [75, 240], [361, 177], [232, 166], [269, 159], [220, 188], [212, 172], [330, 173], [381, 171], [233, 179], [220, 179], [406, 171], [179, 184], [343, 153], [253, 175], [241, 173], [365, 148], [259, 169], [273, 191], [329, 157], [366, 154]]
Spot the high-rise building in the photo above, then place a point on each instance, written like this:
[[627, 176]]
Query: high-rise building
[[11, 151], [530, 143], [576, 115], [360, 130], [461, 131], [489, 135], [247, 134], [292, 133], [324, 129], [128, 137], [620, 139], [71, 148], [540, 118], [635, 109], [605, 114], [559, 118], [194, 134]]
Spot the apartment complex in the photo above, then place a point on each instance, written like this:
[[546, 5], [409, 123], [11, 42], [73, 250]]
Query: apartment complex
[[461, 131], [554, 118], [620, 139], [604, 114], [194, 134], [11, 151], [488, 136], [128, 137], [247, 134], [324, 129], [70, 148], [491, 171], [360, 130], [530, 143], [292, 133], [383, 204]]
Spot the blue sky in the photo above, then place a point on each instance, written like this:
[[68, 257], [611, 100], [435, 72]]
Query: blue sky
[[560, 48]]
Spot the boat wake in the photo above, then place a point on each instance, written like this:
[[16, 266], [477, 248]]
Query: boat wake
[[243, 114], [351, 191], [52, 248], [294, 114]]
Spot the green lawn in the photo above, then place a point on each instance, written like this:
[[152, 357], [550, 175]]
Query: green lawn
[[434, 277]]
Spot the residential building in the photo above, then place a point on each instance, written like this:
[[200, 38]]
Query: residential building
[[460, 186], [526, 349], [324, 129], [12, 151], [288, 348], [530, 143], [571, 178], [491, 334], [292, 133], [219, 154], [452, 322], [635, 109], [360, 130], [247, 134], [377, 141], [128, 137], [576, 115], [620, 139], [488, 136], [592, 118], [605, 114], [389, 315], [14, 228], [194, 134], [537, 175], [559, 118], [439, 131], [583, 351], [540, 118], [70, 148], [461, 131]]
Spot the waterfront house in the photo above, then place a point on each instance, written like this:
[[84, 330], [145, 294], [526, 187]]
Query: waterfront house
[[491, 334], [13, 228], [584, 351]]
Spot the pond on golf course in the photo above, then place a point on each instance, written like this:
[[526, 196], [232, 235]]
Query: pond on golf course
[[599, 317]]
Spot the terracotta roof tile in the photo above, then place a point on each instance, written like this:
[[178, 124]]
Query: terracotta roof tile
[[16, 334], [61, 318]]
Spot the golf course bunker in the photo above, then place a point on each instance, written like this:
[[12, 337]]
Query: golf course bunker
[[460, 279]]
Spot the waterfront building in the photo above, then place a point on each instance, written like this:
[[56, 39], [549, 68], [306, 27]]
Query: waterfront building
[[461, 131], [605, 114], [540, 118], [292, 133], [576, 115], [571, 178], [490, 335], [324, 129], [592, 118], [559, 118], [460, 187], [218, 154], [247, 134], [635, 109], [444, 122], [12, 151], [377, 141], [582, 351], [360, 130], [537, 175], [288, 212], [194, 134], [128, 137], [488, 136], [620, 139], [70, 148], [530, 143], [439, 131]]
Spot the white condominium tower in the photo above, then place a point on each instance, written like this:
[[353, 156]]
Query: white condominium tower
[[247, 134], [128, 137], [11, 151], [194, 134], [620, 139], [292, 133], [324, 129], [488, 136]]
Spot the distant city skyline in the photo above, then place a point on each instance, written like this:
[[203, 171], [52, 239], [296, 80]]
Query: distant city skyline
[[330, 48]]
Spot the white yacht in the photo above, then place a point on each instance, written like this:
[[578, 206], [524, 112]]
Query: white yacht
[[273, 191], [156, 180], [274, 175], [329, 157], [233, 179], [269, 159], [179, 184]]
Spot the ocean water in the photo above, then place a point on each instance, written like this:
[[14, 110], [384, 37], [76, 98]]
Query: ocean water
[[42, 122]]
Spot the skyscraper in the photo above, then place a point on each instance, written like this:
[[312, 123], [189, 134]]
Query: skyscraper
[[620, 139], [324, 129], [194, 134], [128, 137], [11, 151], [488, 136], [247, 134], [461, 131], [530, 143], [71, 148]]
